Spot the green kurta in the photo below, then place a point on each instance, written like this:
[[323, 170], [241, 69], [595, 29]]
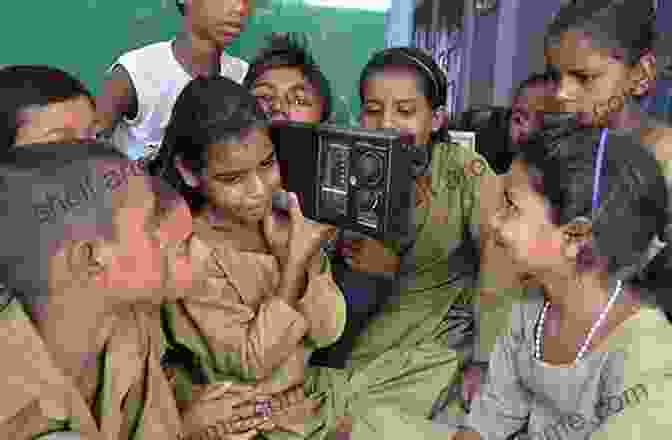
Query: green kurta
[[403, 360]]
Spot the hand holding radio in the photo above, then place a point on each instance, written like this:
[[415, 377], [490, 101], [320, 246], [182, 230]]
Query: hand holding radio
[[301, 239], [294, 244], [370, 256]]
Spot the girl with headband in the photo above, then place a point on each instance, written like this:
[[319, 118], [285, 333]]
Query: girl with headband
[[586, 214], [413, 345]]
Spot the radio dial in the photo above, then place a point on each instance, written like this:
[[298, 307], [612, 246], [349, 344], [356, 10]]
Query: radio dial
[[367, 200], [370, 168]]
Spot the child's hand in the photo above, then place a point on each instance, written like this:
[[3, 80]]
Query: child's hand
[[305, 236], [220, 405], [370, 256]]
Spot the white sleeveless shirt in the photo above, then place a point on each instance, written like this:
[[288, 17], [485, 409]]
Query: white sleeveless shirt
[[158, 79]]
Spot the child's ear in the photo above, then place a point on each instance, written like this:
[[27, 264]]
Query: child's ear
[[186, 174], [438, 119], [576, 234], [643, 75]]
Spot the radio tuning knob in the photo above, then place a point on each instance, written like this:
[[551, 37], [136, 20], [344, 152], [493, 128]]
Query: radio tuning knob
[[353, 181]]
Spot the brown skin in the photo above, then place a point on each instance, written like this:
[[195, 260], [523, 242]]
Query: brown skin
[[209, 27], [549, 252], [589, 79], [522, 228], [287, 95], [526, 112], [67, 121], [239, 180], [392, 99], [150, 262], [590, 76]]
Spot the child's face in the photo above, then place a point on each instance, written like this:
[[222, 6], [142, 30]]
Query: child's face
[[392, 99], [522, 224], [286, 95], [68, 121], [591, 81], [241, 177], [218, 21]]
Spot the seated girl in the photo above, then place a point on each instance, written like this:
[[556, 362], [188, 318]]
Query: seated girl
[[289, 86], [418, 342], [271, 298], [601, 56], [586, 355]]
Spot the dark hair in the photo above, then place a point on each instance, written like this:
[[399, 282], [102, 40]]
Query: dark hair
[[51, 193], [290, 50], [22, 87], [633, 200], [208, 111], [431, 80], [625, 26], [536, 79]]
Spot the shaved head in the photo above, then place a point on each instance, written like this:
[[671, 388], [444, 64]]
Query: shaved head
[[51, 194]]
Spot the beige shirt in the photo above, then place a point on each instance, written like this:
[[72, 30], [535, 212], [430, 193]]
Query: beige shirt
[[252, 344], [133, 398]]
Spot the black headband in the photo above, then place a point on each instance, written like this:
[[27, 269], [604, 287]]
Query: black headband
[[417, 62]]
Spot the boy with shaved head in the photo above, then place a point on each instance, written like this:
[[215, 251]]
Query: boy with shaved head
[[91, 246]]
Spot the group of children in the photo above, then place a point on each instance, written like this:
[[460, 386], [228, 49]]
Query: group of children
[[461, 347]]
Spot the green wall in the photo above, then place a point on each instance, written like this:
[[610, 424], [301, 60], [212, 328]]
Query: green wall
[[85, 36]]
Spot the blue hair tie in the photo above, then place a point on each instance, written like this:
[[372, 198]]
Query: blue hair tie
[[598, 170]]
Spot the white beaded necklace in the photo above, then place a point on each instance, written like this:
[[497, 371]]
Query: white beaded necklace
[[591, 333]]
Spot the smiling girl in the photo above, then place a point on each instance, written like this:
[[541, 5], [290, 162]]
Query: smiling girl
[[585, 212], [600, 55], [271, 298]]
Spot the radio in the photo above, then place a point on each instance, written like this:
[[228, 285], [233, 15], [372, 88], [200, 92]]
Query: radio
[[353, 178]]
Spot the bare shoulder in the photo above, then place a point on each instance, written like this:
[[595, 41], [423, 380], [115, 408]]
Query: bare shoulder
[[660, 138]]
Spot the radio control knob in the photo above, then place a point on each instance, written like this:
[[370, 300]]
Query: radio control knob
[[366, 200]]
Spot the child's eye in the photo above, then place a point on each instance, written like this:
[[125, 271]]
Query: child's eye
[[300, 100], [584, 78], [268, 163], [229, 179], [509, 203]]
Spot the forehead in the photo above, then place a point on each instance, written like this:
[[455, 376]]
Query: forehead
[[245, 151], [533, 97], [135, 193], [396, 83], [281, 77], [149, 202], [576, 50], [71, 113]]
